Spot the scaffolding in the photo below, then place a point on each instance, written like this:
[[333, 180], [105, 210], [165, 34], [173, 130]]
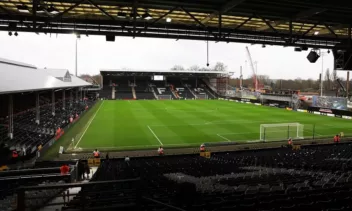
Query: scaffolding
[[222, 82]]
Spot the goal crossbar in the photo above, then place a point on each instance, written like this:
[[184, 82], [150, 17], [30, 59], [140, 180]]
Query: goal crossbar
[[281, 131]]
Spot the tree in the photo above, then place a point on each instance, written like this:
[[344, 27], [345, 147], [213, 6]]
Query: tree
[[264, 79], [334, 75], [177, 67], [194, 68], [334, 79], [327, 80], [219, 66], [204, 69]]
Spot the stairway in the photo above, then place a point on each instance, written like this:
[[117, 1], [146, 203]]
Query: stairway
[[134, 93], [153, 91], [174, 92], [191, 91]]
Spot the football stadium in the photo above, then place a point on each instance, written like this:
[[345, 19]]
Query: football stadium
[[196, 139]]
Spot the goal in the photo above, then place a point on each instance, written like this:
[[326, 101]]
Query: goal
[[282, 131], [202, 96], [164, 97]]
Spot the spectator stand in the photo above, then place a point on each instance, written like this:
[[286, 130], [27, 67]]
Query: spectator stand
[[31, 110], [153, 84]]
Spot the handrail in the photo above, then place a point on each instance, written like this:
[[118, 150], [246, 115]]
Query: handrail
[[28, 170], [161, 203], [73, 185], [21, 196], [32, 176]]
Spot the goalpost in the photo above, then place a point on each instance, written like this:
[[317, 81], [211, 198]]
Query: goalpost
[[164, 97], [282, 131], [202, 96]]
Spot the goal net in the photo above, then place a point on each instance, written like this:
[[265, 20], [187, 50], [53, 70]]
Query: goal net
[[164, 97], [202, 96], [283, 131]]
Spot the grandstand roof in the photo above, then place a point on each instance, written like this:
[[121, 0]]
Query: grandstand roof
[[20, 77], [15, 63], [106, 71], [315, 23], [57, 73]]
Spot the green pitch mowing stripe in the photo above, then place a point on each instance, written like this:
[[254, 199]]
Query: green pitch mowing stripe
[[147, 124]]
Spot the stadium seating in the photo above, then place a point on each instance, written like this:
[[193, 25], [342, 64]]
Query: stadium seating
[[143, 89], [11, 180], [314, 178], [28, 134], [124, 90]]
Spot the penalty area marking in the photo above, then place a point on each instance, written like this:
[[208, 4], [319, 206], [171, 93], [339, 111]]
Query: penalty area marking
[[90, 122], [154, 135]]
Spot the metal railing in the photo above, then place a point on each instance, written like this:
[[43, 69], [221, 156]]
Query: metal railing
[[131, 186]]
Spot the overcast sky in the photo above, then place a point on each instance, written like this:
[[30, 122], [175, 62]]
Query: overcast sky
[[94, 53]]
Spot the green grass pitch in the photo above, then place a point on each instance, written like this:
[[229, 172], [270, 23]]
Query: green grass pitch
[[151, 123]]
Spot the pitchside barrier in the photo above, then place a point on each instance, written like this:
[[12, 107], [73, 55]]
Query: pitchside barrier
[[330, 112]]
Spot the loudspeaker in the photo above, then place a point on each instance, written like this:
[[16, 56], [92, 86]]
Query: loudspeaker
[[313, 57], [110, 38]]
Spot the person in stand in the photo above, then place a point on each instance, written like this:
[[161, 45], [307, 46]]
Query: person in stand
[[290, 142], [87, 170], [14, 155], [96, 153], [80, 170], [160, 151], [336, 139], [107, 157], [64, 169], [202, 148]]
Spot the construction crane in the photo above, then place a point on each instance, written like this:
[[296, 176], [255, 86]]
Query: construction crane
[[255, 79]]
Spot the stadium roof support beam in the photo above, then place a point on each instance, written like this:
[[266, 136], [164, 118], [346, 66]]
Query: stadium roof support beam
[[227, 7], [5, 10], [101, 9], [256, 39], [333, 28], [34, 11], [330, 30], [310, 29], [158, 19], [134, 17], [268, 24], [220, 24], [304, 14], [58, 16], [200, 23]]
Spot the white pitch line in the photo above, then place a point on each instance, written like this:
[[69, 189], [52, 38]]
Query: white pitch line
[[224, 137], [139, 146], [90, 122], [129, 102], [154, 135]]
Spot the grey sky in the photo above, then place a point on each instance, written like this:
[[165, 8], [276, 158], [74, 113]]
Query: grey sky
[[58, 51]]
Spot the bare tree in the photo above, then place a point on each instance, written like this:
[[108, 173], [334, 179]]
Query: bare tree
[[194, 68], [177, 67], [327, 80], [264, 79], [219, 66]]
